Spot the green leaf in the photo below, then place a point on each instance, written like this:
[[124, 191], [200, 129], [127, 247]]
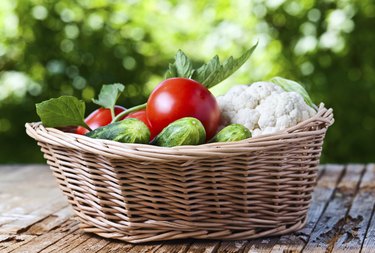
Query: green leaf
[[214, 77], [61, 112], [213, 72], [289, 85], [108, 95], [182, 67], [230, 66], [172, 71], [208, 74], [203, 73]]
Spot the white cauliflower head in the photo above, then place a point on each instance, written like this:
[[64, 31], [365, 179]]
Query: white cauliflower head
[[263, 107], [262, 90]]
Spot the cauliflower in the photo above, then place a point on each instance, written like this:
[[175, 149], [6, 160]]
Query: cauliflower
[[263, 108]]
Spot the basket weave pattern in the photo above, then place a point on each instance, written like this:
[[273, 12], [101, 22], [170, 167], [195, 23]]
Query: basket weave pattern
[[134, 192]]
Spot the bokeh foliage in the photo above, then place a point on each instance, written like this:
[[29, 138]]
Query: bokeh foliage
[[49, 48]]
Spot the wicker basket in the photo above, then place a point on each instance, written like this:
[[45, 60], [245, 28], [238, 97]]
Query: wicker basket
[[134, 192]]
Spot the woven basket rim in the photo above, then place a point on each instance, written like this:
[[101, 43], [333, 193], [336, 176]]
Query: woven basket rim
[[52, 135]]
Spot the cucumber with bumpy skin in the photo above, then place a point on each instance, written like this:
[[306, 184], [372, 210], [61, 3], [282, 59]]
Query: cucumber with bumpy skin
[[185, 131], [127, 131], [233, 132]]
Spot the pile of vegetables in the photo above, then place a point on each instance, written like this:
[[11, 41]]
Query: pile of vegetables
[[182, 111]]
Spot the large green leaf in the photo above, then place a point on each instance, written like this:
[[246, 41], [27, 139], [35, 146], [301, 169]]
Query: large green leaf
[[61, 112]]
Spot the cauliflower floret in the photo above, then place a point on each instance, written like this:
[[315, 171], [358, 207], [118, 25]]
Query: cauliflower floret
[[244, 100], [283, 122], [263, 108], [247, 117], [242, 97], [261, 90], [282, 110]]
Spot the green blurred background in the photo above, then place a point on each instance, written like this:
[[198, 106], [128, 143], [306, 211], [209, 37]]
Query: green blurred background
[[72, 47]]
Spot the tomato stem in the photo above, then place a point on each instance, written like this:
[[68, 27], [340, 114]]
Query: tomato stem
[[130, 110], [86, 126]]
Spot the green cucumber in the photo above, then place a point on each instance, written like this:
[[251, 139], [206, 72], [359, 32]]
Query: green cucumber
[[233, 132], [127, 131], [185, 131]]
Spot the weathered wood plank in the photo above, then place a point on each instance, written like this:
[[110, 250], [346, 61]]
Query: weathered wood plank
[[180, 246], [24, 221], [261, 245], [56, 236], [92, 245], [67, 243], [232, 246], [39, 243], [9, 243], [320, 171], [116, 247], [69, 226], [204, 247], [368, 244], [150, 247], [50, 222], [26, 196], [21, 190], [10, 171], [16, 172], [329, 226], [357, 221]]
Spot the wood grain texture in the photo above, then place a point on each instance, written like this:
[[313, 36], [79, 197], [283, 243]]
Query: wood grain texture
[[232, 246], [174, 247], [39, 243], [51, 221], [204, 247], [91, 245], [357, 221], [261, 245], [329, 226], [340, 219], [368, 244], [116, 247], [27, 195], [9, 243]]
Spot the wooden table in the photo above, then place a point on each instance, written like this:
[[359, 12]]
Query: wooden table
[[35, 217]]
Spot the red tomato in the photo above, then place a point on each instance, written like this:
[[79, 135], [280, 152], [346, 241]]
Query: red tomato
[[141, 115], [176, 98], [98, 118]]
